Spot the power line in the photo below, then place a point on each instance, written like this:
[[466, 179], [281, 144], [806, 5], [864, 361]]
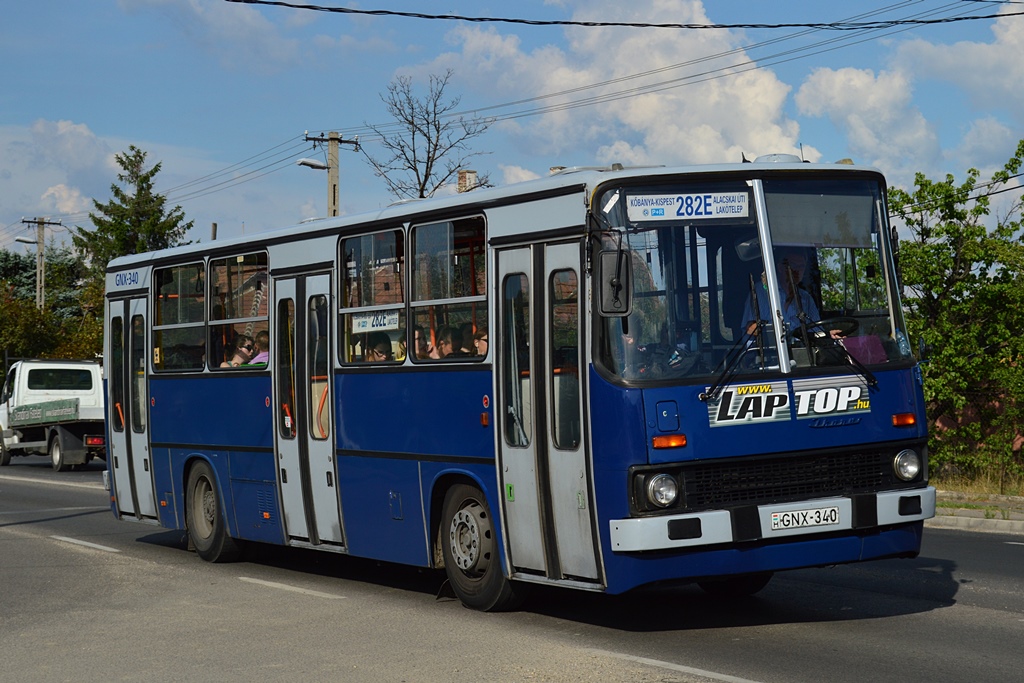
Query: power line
[[281, 155], [831, 25]]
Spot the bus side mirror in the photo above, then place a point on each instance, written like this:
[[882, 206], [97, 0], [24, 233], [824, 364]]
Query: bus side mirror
[[615, 284]]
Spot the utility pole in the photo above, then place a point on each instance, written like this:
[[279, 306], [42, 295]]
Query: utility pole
[[333, 139], [41, 224]]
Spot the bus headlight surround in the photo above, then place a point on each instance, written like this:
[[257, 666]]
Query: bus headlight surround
[[907, 464], [662, 490]]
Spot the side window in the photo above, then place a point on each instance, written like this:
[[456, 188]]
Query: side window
[[565, 373], [286, 366], [515, 363], [318, 368], [138, 370], [238, 311], [8, 386], [449, 288], [117, 373], [373, 298], [178, 317]]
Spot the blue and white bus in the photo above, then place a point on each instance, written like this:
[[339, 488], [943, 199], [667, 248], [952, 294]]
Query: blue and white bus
[[602, 379]]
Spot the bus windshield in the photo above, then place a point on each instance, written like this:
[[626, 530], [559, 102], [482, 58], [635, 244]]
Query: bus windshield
[[704, 302]]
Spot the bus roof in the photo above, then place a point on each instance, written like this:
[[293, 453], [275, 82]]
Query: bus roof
[[570, 180]]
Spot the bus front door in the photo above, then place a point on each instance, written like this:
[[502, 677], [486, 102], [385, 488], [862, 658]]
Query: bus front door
[[547, 494], [304, 407], [128, 456]]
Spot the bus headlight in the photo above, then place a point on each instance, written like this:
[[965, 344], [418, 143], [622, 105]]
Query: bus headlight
[[907, 464], [662, 490]]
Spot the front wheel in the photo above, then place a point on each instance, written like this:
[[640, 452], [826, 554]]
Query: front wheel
[[470, 552], [204, 516], [57, 455], [5, 454]]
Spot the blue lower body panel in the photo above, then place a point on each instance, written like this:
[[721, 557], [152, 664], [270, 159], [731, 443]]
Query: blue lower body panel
[[630, 570]]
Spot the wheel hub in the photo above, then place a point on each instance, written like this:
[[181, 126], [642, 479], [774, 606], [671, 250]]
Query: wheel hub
[[466, 539]]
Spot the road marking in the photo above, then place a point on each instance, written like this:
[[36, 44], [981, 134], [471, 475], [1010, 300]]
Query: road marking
[[53, 482], [726, 678], [1014, 543], [95, 546], [49, 510], [293, 589]]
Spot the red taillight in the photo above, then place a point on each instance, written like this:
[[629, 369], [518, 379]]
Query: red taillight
[[94, 441]]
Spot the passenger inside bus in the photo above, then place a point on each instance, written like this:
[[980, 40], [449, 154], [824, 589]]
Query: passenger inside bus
[[243, 351], [445, 345], [261, 346], [378, 348]]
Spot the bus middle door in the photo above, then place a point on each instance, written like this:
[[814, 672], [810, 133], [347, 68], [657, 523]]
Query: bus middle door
[[547, 497], [301, 352]]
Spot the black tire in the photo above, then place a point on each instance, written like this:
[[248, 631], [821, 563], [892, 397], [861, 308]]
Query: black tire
[[57, 454], [470, 549], [5, 455], [204, 517], [736, 586]]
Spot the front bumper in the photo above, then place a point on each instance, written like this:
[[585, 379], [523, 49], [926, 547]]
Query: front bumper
[[715, 527]]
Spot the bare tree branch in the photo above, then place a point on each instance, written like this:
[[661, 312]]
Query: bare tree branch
[[428, 144]]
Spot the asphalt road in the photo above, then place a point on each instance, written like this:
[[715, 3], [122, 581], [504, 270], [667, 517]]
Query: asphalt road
[[88, 598]]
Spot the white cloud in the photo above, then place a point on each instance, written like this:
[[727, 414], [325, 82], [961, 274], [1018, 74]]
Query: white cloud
[[991, 73], [239, 35], [64, 199], [877, 114], [986, 145], [686, 117], [516, 174]]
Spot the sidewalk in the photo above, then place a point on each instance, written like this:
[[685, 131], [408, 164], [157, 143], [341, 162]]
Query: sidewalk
[[978, 512]]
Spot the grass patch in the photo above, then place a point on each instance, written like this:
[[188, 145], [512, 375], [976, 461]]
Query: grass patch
[[983, 485]]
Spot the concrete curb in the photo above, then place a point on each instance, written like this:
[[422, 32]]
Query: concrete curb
[[992, 526]]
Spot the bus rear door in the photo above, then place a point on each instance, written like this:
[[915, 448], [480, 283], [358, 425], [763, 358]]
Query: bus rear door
[[128, 406], [547, 497], [301, 351]]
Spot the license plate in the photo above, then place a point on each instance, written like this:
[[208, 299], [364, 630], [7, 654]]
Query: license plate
[[801, 519]]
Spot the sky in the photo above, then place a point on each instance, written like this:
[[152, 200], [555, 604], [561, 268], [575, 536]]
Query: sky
[[223, 94]]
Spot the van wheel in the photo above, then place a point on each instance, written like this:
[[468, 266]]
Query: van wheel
[[204, 516], [57, 455], [5, 455], [471, 553]]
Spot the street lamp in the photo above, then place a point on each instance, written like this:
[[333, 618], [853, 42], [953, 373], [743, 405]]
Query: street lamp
[[40, 267], [332, 140]]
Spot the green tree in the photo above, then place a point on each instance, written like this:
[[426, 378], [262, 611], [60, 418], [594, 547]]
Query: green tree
[[428, 143], [136, 220], [963, 277]]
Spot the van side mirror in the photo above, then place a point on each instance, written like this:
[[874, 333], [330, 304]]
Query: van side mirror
[[615, 283]]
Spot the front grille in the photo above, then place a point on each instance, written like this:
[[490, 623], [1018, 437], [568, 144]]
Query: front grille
[[762, 480]]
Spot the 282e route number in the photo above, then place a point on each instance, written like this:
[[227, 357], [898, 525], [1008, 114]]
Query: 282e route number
[[799, 519], [690, 205]]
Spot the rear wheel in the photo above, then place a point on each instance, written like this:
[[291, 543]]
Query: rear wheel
[[5, 455], [57, 454], [471, 553], [736, 586], [204, 516]]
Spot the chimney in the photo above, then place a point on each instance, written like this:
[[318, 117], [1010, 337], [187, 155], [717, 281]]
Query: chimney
[[467, 180]]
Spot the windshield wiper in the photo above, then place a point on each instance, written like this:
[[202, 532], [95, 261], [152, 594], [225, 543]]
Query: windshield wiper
[[738, 350], [837, 347]]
